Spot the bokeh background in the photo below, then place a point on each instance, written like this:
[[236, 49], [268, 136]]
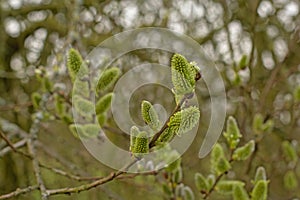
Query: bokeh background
[[35, 36]]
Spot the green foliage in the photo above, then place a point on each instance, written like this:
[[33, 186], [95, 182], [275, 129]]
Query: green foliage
[[184, 120], [36, 99], [239, 193], [297, 93], [201, 182], [259, 126], [174, 166], [107, 79], [83, 107], [90, 130], [226, 187], [150, 116], [104, 103], [183, 75], [140, 144], [289, 152], [188, 193], [74, 63], [290, 180], [260, 175], [243, 153], [81, 88], [260, 190], [134, 131], [243, 62], [232, 133], [219, 164], [101, 118]]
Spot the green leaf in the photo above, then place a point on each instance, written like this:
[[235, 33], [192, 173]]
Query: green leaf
[[81, 88], [188, 193], [226, 187], [134, 131], [141, 144], [90, 130], [211, 179], [289, 151], [150, 116], [36, 99], [260, 174], [183, 75], [222, 166], [108, 78], [290, 180], [219, 164], [101, 118], [104, 103], [297, 94], [174, 166], [232, 133], [167, 135], [243, 62], [201, 182], [74, 63], [239, 193], [177, 176], [243, 153], [83, 107], [73, 128], [259, 126], [59, 105], [184, 120], [260, 191]]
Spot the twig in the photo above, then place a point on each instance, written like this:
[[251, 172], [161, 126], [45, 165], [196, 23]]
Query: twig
[[177, 108], [16, 145], [207, 194], [36, 168], [96, 183], [19, 191]]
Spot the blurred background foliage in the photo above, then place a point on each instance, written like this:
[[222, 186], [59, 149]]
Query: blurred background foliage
[[254, 43]]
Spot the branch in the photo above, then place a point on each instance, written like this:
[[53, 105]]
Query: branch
[[19, 191], [36, 168]]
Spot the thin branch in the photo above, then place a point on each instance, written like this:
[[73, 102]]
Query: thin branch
[[19, 191], [96, 183], [15, 146], [176, 109], [36, 168]]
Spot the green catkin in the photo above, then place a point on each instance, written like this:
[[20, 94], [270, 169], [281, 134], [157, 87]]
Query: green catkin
[[243, 62], [108, 78], [218, 161], [141, 144], [289, 151], [201, 182], [183, 75], [239, 193], [90, 130], [244, 152], [134, 131], [184, 120], [74, 63], [260, 174], [103, 103], [232, 133], [36, 99], [226, 187], [150, 116], [260, 190], [101, 118], [83, 107], [290, 180], [188, 193]]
